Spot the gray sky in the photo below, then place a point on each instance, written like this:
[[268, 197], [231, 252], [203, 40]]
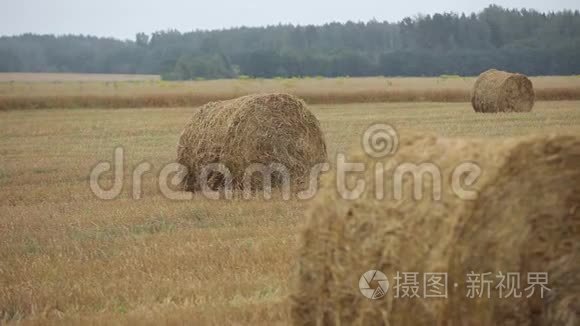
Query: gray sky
[[124, 18]]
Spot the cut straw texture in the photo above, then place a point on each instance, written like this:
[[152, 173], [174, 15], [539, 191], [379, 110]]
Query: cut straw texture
[[500, 91], [525, 218], [264, 129]]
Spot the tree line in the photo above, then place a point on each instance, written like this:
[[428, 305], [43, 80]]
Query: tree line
[[523, 40]]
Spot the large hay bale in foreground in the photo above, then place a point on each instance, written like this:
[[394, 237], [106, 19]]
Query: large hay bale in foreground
[[500, 91], [264, 129], [525, 218]]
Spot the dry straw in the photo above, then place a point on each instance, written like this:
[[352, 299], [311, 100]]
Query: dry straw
[[500, 91], [526, 218], [265, 129]]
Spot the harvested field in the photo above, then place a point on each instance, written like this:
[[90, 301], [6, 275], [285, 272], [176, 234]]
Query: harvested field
[[156, 93], [12, 77], [69, 257]]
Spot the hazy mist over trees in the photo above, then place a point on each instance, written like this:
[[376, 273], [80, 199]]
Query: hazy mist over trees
[[518, 40]]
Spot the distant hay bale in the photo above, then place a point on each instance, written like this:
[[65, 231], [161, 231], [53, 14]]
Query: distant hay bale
[[264, 129], [526, 218], [500, 91]]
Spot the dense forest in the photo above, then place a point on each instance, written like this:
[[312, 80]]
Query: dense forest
[[518, 40]]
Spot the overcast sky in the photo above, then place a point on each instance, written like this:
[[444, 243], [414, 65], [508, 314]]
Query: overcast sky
[[124, 18]]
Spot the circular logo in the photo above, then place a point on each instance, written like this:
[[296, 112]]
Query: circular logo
[[380, 140], [373, 284]]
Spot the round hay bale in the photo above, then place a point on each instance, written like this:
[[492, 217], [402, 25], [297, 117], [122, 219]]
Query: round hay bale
[[264, 129], [500, 91], [526, 218]]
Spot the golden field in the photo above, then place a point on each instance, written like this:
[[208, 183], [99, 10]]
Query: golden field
[[32, 77], [23, 91], [69, 257]]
